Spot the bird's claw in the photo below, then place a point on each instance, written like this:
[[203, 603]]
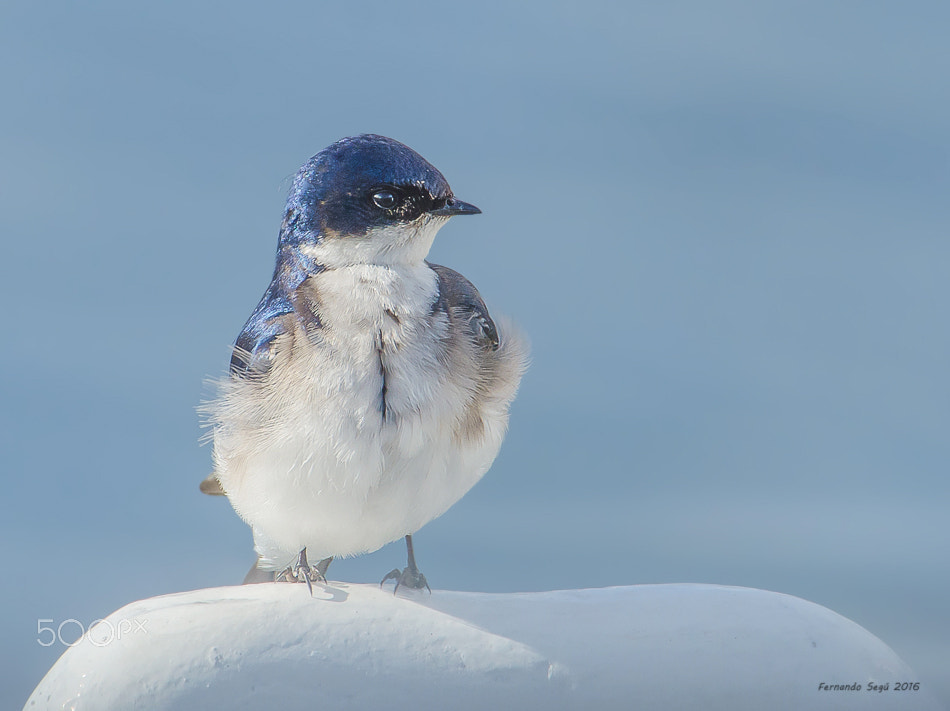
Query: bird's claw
[[302, 572], [409, 577]]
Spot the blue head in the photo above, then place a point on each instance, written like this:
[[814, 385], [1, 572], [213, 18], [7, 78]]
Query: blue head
[[367, 198]]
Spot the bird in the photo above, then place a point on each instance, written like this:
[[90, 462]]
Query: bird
[[370, 388]]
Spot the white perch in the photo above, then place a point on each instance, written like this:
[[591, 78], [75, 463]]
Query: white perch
[[271, 646]]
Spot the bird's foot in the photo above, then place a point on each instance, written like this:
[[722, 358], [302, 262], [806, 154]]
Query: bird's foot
[[409, 577], [303, 572]]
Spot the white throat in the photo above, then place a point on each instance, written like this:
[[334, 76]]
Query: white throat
[[387, 246]]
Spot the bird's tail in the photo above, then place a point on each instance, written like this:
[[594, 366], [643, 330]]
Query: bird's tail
[[211, 486]]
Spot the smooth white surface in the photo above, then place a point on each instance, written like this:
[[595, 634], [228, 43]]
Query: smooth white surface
[[359, 647]]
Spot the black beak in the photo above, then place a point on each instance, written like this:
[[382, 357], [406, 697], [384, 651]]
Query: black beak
[[453, 206]]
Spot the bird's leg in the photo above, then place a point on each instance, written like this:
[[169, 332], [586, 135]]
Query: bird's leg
[[410, 576], [303, 572]]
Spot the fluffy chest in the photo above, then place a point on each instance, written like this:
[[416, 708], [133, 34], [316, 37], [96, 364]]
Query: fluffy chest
[[381, 349], [356, 301]]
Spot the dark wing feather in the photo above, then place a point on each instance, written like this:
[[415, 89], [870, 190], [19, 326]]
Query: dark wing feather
[[460, 299], [253, 349]]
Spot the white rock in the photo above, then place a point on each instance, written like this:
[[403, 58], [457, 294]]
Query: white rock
[[358, 647]]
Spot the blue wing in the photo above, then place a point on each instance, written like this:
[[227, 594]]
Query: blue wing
[[459, 298], [276, 313]]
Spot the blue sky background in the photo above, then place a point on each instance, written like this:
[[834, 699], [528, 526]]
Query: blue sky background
[[724, 227]]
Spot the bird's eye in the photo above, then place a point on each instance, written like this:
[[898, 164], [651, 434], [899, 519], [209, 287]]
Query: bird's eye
[[384, 199]]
